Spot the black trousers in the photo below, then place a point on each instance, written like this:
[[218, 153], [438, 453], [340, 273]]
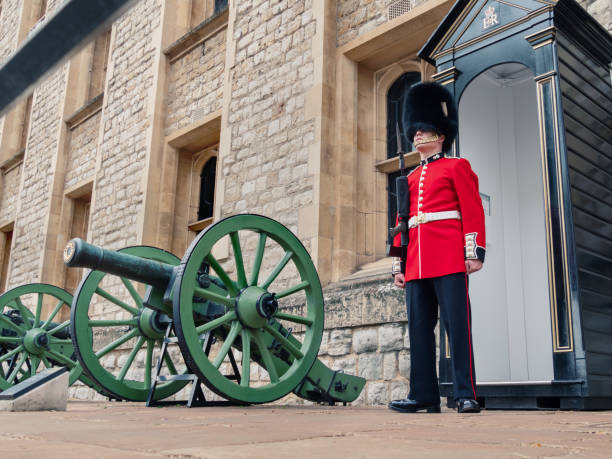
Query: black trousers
[[422, 299]]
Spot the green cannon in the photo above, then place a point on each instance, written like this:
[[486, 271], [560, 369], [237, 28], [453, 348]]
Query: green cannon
[[33, 335], [250, 335]]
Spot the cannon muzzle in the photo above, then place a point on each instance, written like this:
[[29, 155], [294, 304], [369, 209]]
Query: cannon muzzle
[[80, 254]]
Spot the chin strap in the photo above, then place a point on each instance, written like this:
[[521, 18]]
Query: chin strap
[[433, 138]]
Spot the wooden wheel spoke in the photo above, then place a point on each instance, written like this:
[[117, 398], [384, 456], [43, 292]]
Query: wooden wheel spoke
[[293, 350], [11, 353], [246, 358], [59, 328], [118, 342], [242, 282], [148, 363], [113, 323], [261, 247], [9, 323], [274, 274], [17, 368], [292, 318], [54, 340], [292, 290], [45, 361], [227, 343], [53, 314], [229, 284], [10, 339], [25, 312], [132, 291], [60, 358], [170, 364], [266, 356], [39, 305], [214, 297], [130, 359], [216, 322], [104, 294], [34, 361]]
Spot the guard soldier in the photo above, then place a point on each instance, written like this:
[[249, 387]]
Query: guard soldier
[[445, 243]]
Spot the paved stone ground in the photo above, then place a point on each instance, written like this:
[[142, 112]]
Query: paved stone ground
[[113, 430]]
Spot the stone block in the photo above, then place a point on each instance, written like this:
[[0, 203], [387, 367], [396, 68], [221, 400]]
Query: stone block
[[399, 389], [370, 366], [339, 342], [346, 364], [403, 360], [377, 393], [391, 338], [46, 391], [365, 340], [389, 365]]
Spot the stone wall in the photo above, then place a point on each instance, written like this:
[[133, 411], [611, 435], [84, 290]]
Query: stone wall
[[266, 170], [356, 17], [9, 26], [9, 191], [127, 115], [82, 149], [195, 83], [600, 10], [38, 168]]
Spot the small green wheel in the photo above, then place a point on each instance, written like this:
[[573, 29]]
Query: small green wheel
[[250, 320], [115, 335], [34, 333]]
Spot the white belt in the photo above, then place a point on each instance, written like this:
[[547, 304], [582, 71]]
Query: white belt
[[427, 217]]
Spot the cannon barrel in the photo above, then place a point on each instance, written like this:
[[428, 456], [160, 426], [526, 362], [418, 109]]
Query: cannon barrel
[[80, 254]]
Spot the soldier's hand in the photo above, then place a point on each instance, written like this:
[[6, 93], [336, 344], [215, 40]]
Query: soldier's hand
[[398, 280], [471, 266]]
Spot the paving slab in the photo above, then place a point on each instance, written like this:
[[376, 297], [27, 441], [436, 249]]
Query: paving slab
[[115, 429]]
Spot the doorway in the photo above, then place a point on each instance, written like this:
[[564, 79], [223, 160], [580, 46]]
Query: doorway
[[499, 135]]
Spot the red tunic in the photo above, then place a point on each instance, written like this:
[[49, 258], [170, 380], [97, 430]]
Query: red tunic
[[441, 247]]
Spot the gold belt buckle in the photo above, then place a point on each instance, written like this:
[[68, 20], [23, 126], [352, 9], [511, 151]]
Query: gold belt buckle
[[420, 219]]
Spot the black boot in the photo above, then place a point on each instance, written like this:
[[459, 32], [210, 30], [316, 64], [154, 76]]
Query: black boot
[[407, 405], [467, 405]]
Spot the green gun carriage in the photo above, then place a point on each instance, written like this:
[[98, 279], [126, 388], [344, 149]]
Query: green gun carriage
[[249, 337], [33, 335]]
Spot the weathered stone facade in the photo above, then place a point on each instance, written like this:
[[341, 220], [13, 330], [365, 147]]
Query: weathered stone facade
[[37, 175], [82, 151], [356, 17], [195, 83], [126, 128], [292, 122]]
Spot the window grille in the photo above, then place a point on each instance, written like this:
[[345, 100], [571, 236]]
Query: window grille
[[398, 8]]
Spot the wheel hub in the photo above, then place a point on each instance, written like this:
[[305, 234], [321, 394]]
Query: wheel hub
[[36, 341], [255, 307], [150, 324]]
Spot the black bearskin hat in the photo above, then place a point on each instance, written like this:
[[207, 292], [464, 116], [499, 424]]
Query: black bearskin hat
[[429, 106]]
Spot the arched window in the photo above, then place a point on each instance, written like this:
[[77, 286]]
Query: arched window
[[207, 189], [395, 99]]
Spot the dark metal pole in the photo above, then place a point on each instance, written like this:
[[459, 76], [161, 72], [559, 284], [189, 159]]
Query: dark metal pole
[[68, 29]]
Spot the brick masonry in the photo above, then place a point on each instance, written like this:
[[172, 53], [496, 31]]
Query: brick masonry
[[126, 120], [195, 83], [9, 188], [37, 174], [267, 169], [82, 151]]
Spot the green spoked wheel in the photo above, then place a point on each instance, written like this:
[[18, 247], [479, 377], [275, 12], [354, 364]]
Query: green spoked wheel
[[116, 337], [263, 267], [34, 333]]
